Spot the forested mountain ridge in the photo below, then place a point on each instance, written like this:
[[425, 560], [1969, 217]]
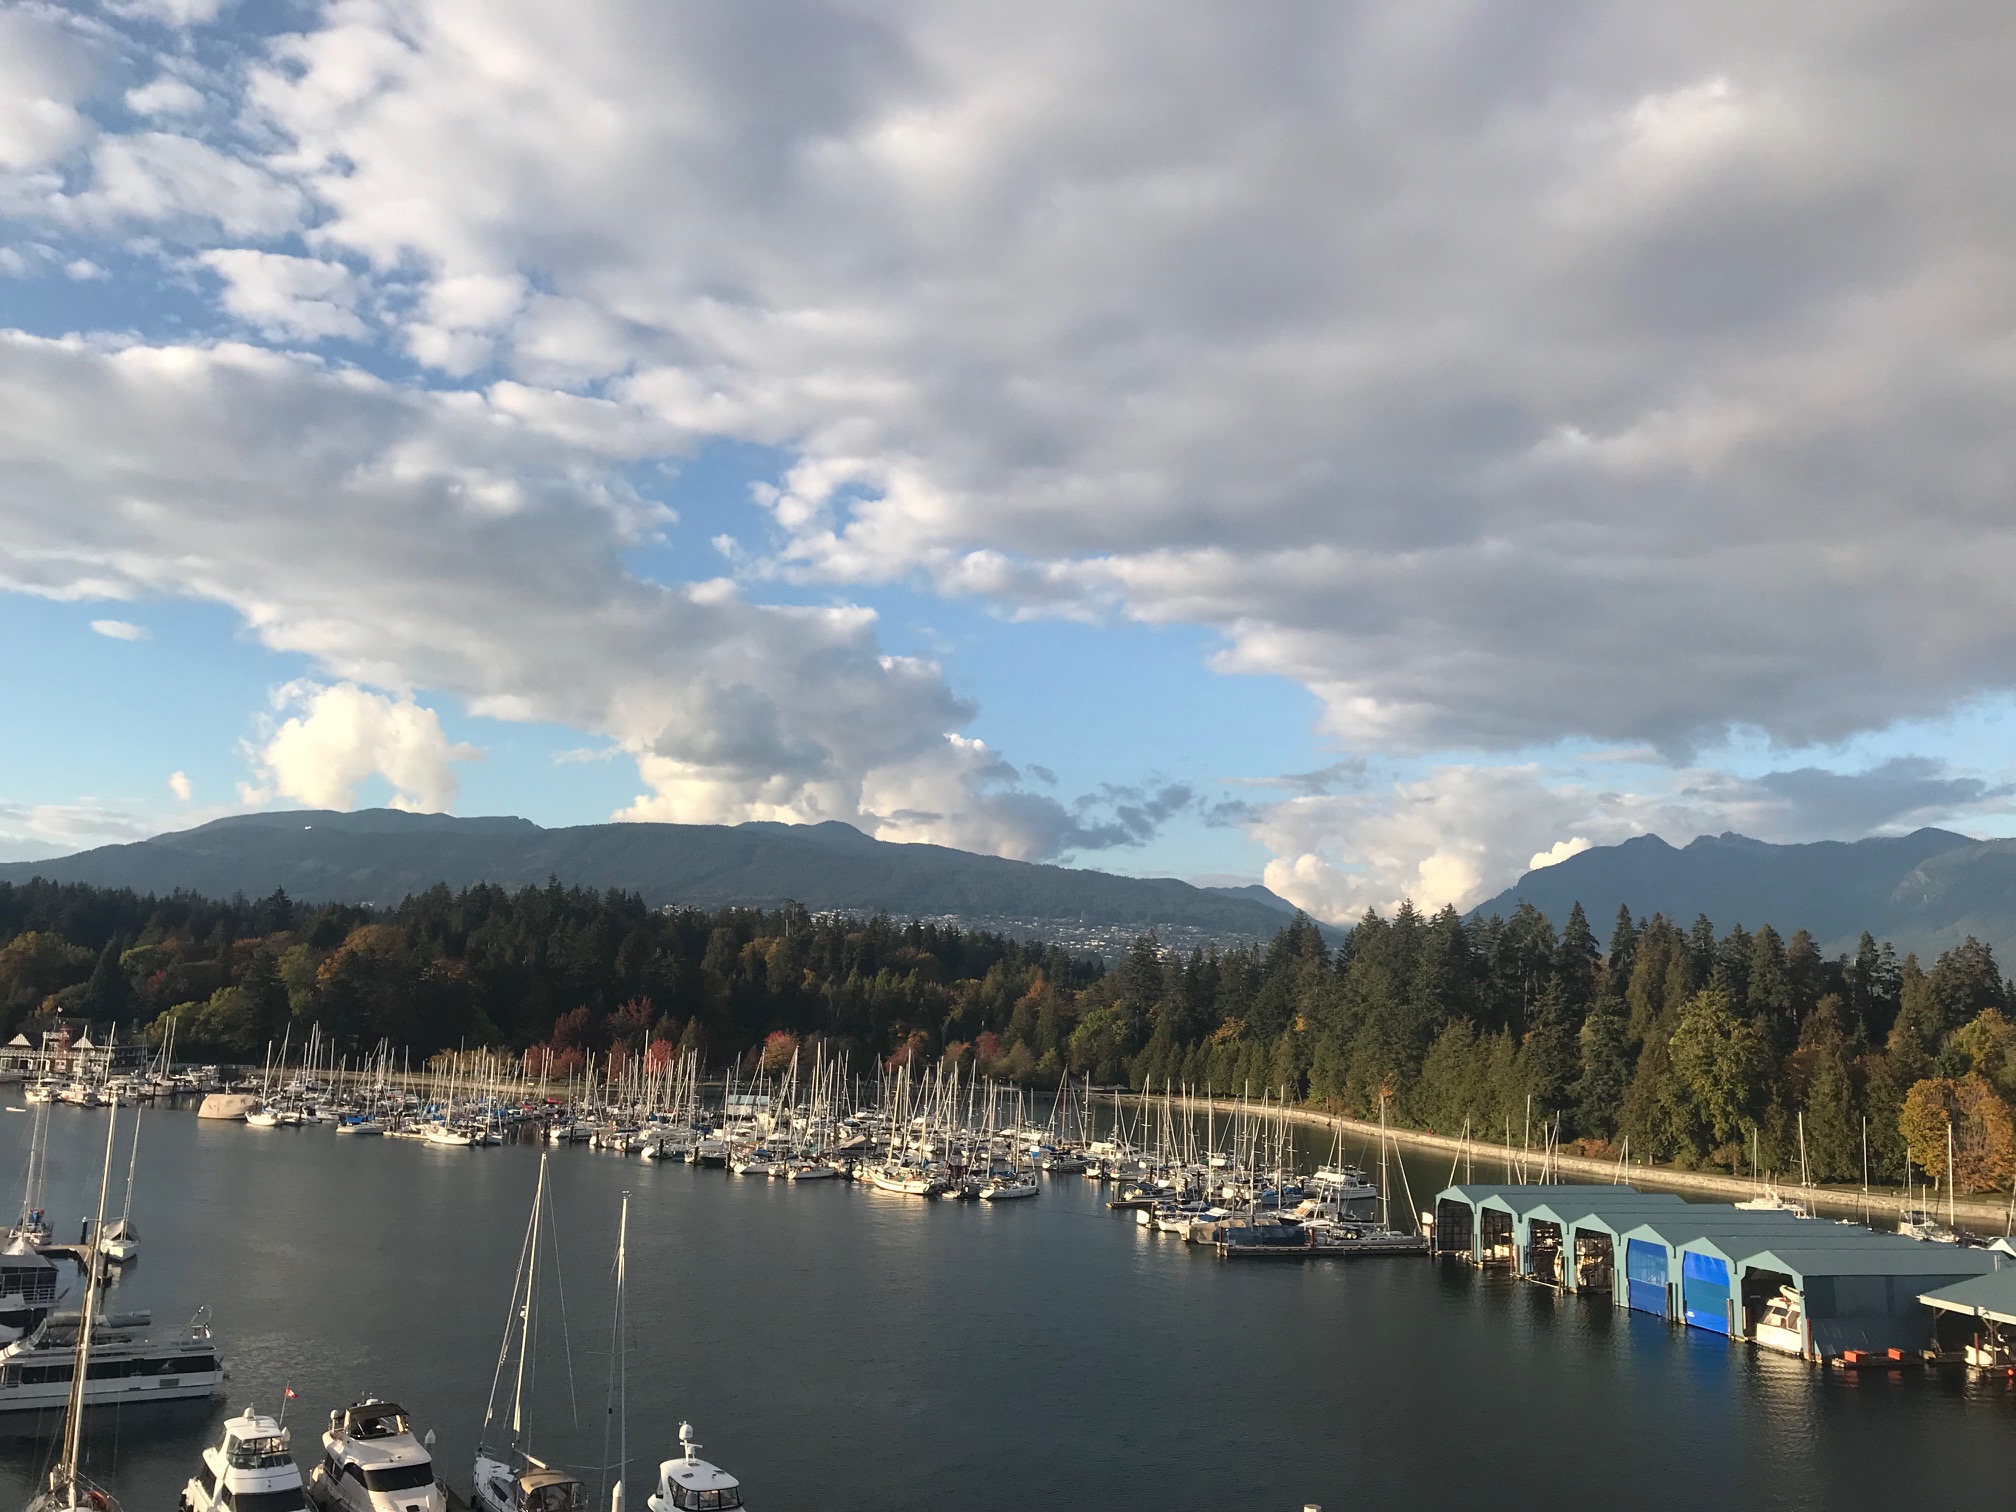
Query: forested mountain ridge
[[382, 855], [1687, 1042], [1926, 891]]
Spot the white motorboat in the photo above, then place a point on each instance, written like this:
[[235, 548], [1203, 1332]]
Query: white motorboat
[[371, 1462], [810, 1170], [128, 1365], [454, 1139], [263, 1118], [29, 1288], [1781, 1326], [253, 1469], [1009, 1188], [912, 1181], [45, 1091], [360, 1126], [690, 1484]]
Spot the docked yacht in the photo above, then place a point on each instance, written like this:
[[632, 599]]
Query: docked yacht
[[712, 1150], [127, 1365], [360, 1126], [47, 1090], [690, 1484], [29, 1288], [263, 1118], [532, 1486], [371, 1462], [1781, 1326], [1006, 1188], [253, 1470]]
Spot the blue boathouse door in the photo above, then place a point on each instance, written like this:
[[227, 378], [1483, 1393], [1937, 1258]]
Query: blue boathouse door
[[1645, 1276], [1704, 1292]]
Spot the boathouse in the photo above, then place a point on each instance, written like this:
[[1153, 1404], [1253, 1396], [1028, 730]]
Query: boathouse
[[1867, 1294], [1833, 1287], [1986, 1306], [1488, 1223]]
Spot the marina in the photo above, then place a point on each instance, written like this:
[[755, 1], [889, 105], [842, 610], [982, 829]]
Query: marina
[[905, 1323]]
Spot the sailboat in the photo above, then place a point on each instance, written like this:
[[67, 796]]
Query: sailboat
[[121, 1240], [513, 1480], [67, 1486]]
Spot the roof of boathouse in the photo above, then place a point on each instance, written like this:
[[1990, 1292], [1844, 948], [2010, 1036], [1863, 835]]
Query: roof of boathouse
[[1991, 1295], [1884, 1255], [1520, 1197]]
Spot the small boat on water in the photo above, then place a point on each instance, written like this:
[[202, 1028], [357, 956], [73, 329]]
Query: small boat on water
[[454, 1139], [252, 1470], [372, 1462], [262, 1118], [120, 1240], [360, 1126], [690, 1484], [1781, 1324], [712, 1150]]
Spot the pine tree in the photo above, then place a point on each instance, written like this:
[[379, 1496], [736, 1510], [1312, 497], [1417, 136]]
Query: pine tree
[[1623, 947], [1605, 1068], [108, 996]]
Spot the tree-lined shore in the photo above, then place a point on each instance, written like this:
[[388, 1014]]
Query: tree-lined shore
[[1696, 1044]]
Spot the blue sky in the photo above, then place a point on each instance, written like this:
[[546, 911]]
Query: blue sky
[[1375, 452]]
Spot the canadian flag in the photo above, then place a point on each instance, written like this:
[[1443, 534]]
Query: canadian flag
[[290, 1393]]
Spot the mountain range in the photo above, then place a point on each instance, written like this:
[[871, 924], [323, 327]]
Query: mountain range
[[381, 855], [1925, 891]]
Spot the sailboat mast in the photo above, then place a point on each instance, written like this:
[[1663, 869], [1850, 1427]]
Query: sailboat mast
[[525, 1316], [73, 1427], [132, 1168]]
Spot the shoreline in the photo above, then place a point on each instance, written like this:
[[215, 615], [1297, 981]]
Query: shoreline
[[1994, 1214]]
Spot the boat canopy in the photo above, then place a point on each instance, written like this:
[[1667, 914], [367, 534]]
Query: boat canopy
[[550, 1491]]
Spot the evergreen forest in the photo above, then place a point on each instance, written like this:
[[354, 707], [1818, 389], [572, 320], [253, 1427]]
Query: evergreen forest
[[1693, 1044]]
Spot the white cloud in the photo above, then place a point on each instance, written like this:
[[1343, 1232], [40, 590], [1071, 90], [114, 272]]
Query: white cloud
[[1558, 852], [180, 786], [345, 735], [1053, 315], [172, 12], [82, 270], [160, 176], [165, 96], [403, 540], [33, 832], [49, 66], [299, 297], [121, 630]]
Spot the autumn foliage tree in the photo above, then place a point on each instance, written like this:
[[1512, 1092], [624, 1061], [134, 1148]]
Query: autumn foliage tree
[[1983, 1135]]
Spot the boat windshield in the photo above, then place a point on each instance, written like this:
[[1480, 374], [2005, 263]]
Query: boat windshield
[[377, 1425], [561, 1496], [258, 1454], [686, 1497], [400, 1477]]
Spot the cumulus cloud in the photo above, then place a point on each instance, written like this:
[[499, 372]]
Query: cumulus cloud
[[1558, 852], [34, 832], [466, 544], [1055, 314], [124, 630], [165, 96], [300, 297], [1459, 833], [1497, 380], [346, 735], [48, 69], [180, 786]]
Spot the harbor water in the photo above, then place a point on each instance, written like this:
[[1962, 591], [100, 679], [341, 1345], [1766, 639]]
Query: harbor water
[[838, 1348]]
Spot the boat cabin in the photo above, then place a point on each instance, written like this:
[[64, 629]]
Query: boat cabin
[[548, 1491], [370, 1420], [691, 1485]]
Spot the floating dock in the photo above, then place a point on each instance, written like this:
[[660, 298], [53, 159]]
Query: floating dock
[[1834, 1289]]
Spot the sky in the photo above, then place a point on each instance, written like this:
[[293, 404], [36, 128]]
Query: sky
[[1369, 449]]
